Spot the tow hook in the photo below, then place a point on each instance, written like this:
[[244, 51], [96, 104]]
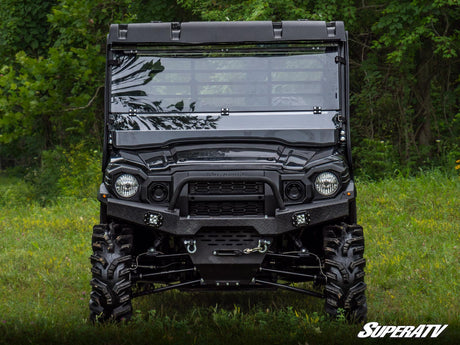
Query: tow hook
[[190, 246]]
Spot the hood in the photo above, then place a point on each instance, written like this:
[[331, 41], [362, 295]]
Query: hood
[[223, 155]]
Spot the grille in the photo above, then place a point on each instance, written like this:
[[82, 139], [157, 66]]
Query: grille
[[235, 237], [226, 187], [226, 208]]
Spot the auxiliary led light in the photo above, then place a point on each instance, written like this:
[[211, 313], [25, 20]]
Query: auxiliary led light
[[301, 219], [153, 219]]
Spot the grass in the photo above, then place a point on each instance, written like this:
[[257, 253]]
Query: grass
[[412, 250]]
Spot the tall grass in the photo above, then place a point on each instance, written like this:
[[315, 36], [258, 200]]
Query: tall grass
[[412, 250]]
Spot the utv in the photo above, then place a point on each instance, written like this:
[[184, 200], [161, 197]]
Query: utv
[[227, 164]]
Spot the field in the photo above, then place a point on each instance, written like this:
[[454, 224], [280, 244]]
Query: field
[[412, 229]]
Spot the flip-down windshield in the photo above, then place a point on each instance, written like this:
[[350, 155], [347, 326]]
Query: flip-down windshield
[[281, 77]]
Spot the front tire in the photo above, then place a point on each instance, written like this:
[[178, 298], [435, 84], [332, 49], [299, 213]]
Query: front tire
[[344, 270], [111, 267]]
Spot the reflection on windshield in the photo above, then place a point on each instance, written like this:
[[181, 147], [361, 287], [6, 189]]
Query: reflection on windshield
[[128, 81], [139, 122], [161, 84]]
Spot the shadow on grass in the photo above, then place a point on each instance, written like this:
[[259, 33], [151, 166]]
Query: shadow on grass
[[174, 317], [183, 303]]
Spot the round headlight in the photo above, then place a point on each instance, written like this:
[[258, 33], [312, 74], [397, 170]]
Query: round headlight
[[126, 185], [326, 183]]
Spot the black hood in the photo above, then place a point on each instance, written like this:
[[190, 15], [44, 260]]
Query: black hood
[[225, 155]]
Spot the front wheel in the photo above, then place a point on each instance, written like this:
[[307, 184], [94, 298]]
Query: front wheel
[[111, 267], [344, 270]]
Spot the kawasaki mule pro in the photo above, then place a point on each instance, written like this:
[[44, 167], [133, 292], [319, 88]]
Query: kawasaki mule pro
[[227, 164]]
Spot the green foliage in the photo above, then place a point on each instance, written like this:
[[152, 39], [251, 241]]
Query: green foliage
[[375, 159], [80, 176], [275, 10], [405, 26], [14, 192], [86, 22], [23, 26], [159, 10], [64, 173], [44, 179], [56, 99], [415, 53], [37, 97]]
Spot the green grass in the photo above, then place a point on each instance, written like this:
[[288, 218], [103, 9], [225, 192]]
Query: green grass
[[412, 250]]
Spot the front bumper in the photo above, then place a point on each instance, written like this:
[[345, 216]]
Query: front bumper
[[318, 211]]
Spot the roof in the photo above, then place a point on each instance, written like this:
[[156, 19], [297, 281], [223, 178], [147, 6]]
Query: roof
[[226, 32]]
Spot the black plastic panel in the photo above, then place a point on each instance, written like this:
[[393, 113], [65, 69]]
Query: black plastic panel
[[139, 139], [226, 208], [220, 32], [225, 187], [239, 238]]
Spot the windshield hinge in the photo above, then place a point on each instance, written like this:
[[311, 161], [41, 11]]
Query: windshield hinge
[[130, 52], [317, 110], [224, 112], [132, 112], [339, 59], [339, 120]]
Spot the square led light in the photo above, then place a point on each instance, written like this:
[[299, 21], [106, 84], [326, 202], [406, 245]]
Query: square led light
[[153, 219], [301, 219]]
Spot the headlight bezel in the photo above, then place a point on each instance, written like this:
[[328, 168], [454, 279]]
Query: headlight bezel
[[302, 190], [166, 189]]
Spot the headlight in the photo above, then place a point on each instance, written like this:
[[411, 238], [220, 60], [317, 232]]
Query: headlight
[[126, 185], [326, 183]]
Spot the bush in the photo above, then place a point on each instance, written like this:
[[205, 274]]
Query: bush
[[81, 174], [14, 192], [73, 173], [43, 180], [375, 159]]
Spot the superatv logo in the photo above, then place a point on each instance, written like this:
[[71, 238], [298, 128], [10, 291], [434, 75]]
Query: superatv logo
[[374, 330]]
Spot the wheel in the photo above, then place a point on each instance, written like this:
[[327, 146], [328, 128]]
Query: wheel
[[111, 265], [344, 270]]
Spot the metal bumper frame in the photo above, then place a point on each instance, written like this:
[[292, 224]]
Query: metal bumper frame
[[174, 224]]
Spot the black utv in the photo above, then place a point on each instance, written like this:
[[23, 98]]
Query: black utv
[[227, 164]]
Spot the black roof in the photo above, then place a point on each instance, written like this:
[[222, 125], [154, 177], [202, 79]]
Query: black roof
[[226, 32]]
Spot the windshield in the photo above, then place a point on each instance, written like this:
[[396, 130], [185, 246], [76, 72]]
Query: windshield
[[241, 79]]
